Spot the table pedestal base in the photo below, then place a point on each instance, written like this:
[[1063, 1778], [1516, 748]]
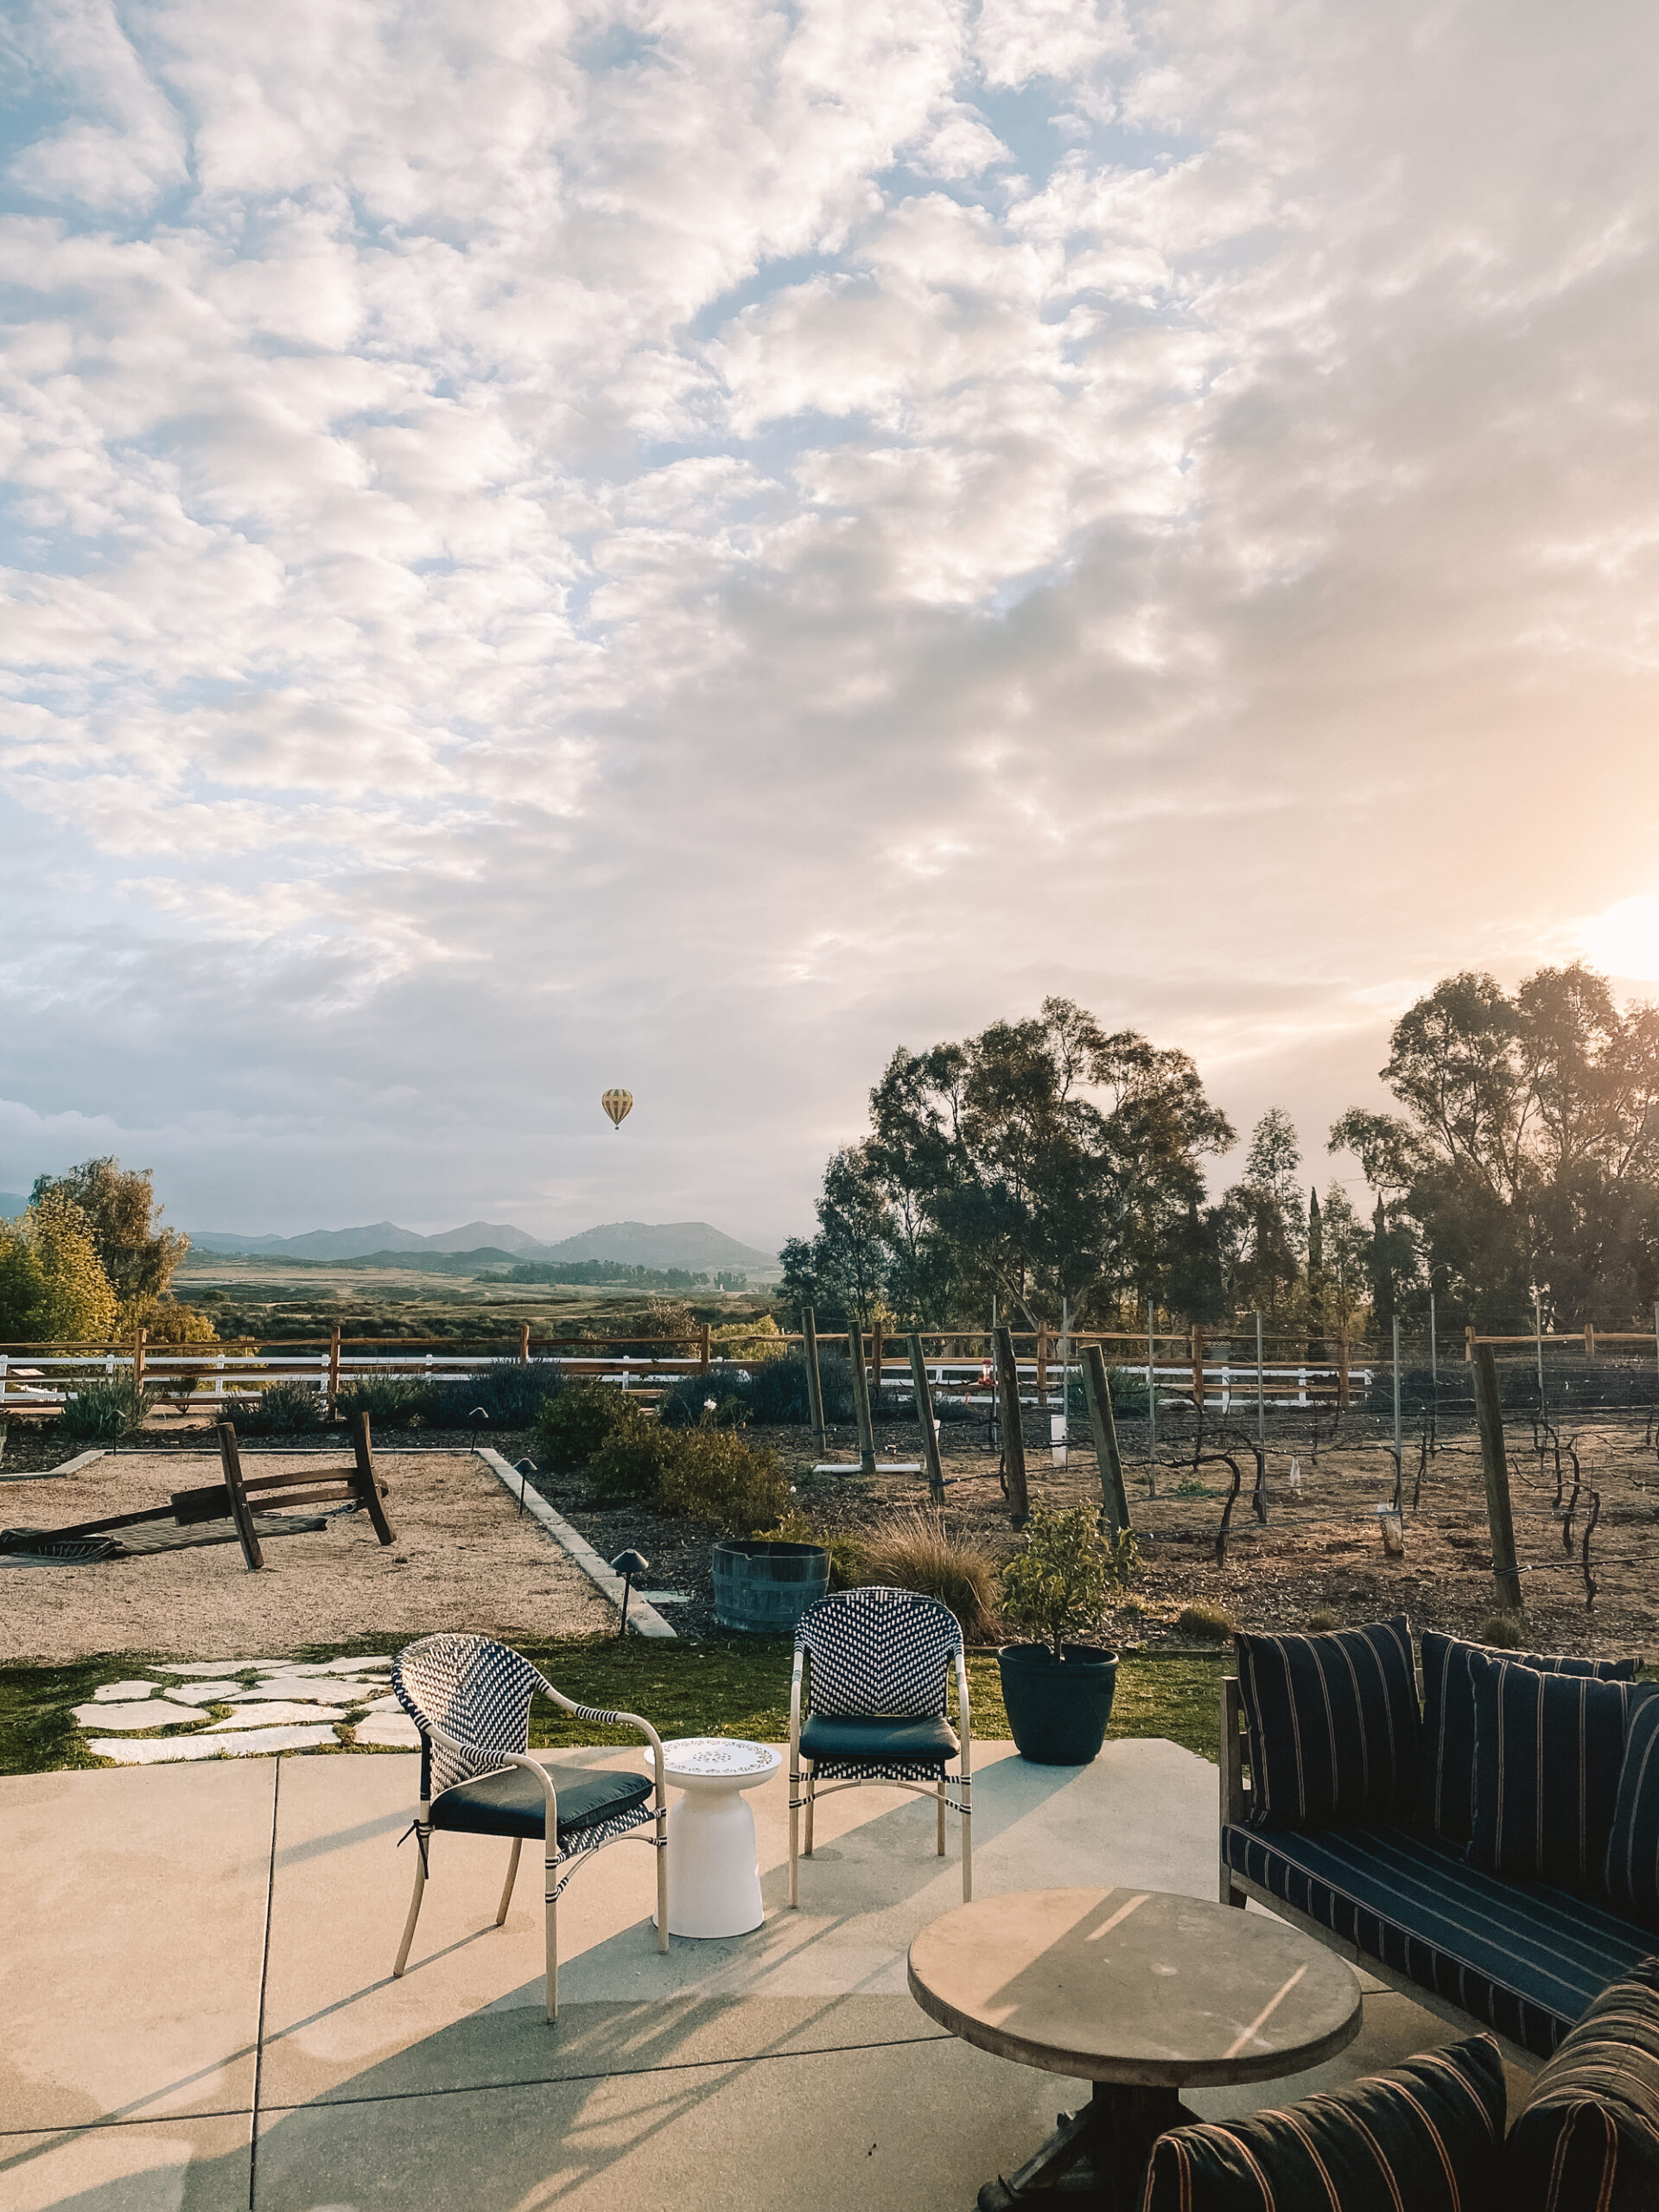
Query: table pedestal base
[[1098, 2156]]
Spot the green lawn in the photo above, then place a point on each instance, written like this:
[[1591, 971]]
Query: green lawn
[[739, 1687]]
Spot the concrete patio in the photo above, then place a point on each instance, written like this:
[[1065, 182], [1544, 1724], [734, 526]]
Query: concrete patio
[[196, 2012]]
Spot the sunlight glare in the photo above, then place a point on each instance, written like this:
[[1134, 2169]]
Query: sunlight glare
[[1625, 940]]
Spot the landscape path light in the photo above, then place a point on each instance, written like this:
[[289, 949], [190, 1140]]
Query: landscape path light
[[627, 1564]]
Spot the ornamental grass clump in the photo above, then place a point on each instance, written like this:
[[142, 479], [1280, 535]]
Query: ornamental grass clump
[[916, 1551], [1057, 1588], [105, 1413], [285, 1409]]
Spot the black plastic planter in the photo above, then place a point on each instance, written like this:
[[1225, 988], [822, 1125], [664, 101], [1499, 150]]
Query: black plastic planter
[[1057, 1711]]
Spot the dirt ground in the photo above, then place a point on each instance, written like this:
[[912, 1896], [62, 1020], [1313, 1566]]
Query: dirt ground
[[1320, 1561], [463, 1558]]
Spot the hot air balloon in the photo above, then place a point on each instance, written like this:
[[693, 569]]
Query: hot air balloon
[[618, 1105]]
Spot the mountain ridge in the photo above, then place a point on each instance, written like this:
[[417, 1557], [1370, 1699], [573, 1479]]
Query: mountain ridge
[[695, 1244]]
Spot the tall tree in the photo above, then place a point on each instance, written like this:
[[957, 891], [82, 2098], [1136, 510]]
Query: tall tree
[[1264, 1213], [137, 1255], [53, 1288]]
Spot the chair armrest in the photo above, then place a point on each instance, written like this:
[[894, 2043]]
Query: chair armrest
[[1235, 1795], [613, 1720], [488, 1761]]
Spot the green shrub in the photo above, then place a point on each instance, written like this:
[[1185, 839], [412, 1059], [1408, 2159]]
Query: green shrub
[[105, 1413], [710, 1474], [630, 1461], [1504, 1629], [1055, 1589], [918, 1552], [1202, 1618], [511, 1392], [285, 1409], [1318, 1624], [571, 1426], [390, 1401], [848, 1557]]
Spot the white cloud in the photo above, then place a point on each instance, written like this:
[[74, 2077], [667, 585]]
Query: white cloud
[[554, 544]]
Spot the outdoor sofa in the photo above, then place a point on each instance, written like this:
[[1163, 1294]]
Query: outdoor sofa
[[1468, 1865]]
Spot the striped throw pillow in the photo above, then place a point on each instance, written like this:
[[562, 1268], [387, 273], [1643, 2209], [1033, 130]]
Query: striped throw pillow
[[1333, 1723], [1446, 1761], [1589, 2132], [1548, 1750], [1630, 1875], [1424, 2136]]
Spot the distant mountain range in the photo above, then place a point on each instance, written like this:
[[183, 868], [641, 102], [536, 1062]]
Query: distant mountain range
[[693, 1244]]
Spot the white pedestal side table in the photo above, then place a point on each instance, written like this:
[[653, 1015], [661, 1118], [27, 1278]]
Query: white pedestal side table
[[714, 1876]]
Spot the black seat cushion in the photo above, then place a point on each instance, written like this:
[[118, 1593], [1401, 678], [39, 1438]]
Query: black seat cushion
[[512, 1802], [1548, 1749], [1334, 1725], [917, 1738], [1526, 1958], [1445, 1765], [1589, 2132], [1424, 2136]]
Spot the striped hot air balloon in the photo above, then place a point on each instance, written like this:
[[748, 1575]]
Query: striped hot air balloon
[[619, 1104]]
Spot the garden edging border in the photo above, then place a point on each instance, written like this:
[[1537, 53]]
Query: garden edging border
[[641, 1616]]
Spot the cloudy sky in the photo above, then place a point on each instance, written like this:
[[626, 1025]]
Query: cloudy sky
[[685, 544]]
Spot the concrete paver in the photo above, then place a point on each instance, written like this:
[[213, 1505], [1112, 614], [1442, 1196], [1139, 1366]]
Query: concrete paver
[[136, 1920], [181, 2165]]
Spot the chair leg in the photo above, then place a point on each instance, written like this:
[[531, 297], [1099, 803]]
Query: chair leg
[[967, 1841], [941, 1794], [551, 1872], [662, 1880], [422, 1839], [794, 1836], [811, 1778], [512, 1876]]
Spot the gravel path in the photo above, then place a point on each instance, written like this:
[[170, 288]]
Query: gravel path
[[464, 1559]]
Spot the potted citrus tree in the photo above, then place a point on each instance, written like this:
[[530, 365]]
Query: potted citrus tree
[[1057, 1686]]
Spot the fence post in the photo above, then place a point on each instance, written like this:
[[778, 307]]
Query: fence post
[[1469, 1342], [1589, 1339], [705, 1354], [1261, 1403], [139, 1338], [524, 1344], [1399, 1445], [861, 1397], [877, 1354], [1042, 1365], [1494, 1465], [1014, 1440], [1097, 1394], [814, 1381], [333, 1368], [1197, 1364], [924, 1415], [1341, 1372]]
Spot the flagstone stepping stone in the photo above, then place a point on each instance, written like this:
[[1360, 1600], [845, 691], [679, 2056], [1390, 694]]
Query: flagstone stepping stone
[[356, 1666], [219, 1666], [112, 1692], [272, 1714], [150, 1712], [249, 1743], [283, 1689], [393, 1731], [206, 1693]]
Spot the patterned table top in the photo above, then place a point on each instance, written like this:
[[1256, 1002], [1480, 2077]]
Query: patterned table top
[[717, 1756]]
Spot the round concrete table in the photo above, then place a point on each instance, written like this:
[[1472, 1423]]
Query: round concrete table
[[1141, 1993], [714, 1878]]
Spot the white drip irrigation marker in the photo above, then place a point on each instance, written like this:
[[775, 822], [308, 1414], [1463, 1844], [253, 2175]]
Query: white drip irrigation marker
[[642, 1616]]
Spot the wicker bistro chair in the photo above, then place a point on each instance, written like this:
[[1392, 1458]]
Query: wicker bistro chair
[[470, 1698], [874, 1664]]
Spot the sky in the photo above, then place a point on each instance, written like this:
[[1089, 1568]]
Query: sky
[[687, 545]]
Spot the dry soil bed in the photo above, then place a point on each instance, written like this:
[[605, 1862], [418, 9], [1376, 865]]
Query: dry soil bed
[[464, 1558]]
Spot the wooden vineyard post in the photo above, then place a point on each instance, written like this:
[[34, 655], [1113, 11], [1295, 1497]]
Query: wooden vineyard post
[[861, 1398], [140, 1339], [1342, 1371], [1589, 1339], [1197, 1364], [524, 1344], [705, 1351], [1097, 1395], [1014, 1441], [1468, 1342], [1042, 1365], [814, 1379], [334, 1370], [877, 1354], [924, 1415], [230, 1459], [1494, 1465]]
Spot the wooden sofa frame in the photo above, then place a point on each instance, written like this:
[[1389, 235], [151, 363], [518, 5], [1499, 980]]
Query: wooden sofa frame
[[1237, 1889]]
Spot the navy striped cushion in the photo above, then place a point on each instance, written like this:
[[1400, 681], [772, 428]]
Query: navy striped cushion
[[1589, 2134], [1630, 1876], [1332, 1724], [1527, 1959], [1424, 2135], [1445, 1762], [1548, 1749]]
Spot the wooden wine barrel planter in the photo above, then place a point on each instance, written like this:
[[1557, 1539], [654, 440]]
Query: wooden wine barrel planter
[[762, 1588]]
